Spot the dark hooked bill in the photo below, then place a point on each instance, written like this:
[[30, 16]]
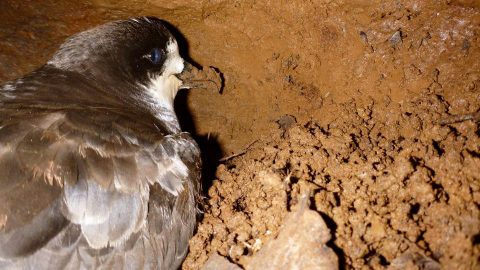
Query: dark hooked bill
[[206, 78]]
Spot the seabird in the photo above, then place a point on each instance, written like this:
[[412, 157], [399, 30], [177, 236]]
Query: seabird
[[95, 172]]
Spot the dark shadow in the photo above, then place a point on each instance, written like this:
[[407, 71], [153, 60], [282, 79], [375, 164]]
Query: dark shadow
[[222, 79], [333, 228], [209, 147], [476, 239], [183, 45]]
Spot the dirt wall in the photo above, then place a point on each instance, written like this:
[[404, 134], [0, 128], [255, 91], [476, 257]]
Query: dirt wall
[[347, 98]]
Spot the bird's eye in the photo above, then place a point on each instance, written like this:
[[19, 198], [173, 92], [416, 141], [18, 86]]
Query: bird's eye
[[156, 56]]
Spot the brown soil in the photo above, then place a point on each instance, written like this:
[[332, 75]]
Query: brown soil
[[347, 102]]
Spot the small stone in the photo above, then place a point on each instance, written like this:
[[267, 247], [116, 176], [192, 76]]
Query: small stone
[[414, 260], [301, 244], [396, 38], [364, 37]]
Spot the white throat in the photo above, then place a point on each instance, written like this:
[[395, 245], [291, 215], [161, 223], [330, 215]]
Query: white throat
[[162, 89]]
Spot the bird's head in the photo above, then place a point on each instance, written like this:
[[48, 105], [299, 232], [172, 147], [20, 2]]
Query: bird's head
[[139, 55]]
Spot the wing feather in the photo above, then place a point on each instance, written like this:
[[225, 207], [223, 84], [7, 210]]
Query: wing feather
[[92, 187]]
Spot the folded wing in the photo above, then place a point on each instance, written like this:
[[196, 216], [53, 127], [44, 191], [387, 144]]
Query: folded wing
[[95, 184]]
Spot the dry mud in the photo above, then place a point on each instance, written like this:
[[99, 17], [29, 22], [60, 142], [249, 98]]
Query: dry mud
[[349, 103], [388, 180]]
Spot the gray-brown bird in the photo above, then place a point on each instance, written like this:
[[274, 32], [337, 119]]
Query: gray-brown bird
[[95, 172]]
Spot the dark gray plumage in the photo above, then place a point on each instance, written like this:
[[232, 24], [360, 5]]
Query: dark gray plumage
[[94, 170]]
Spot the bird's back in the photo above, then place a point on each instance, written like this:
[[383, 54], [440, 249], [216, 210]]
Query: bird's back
[[88, 180]]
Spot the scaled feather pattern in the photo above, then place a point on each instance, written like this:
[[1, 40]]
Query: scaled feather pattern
[[94, 172]]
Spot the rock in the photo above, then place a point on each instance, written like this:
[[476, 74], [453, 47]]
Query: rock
[[414, 260], [396, 38], [217, 262], [301, 244]]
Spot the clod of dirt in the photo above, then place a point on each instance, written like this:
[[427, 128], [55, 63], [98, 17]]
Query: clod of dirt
[[286, 122], [300, 245]]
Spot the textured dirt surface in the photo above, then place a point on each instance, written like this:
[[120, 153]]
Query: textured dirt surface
[[387, 179], [342, 101]]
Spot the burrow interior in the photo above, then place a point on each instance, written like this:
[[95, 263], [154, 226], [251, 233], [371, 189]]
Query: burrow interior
[[358, 103]]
